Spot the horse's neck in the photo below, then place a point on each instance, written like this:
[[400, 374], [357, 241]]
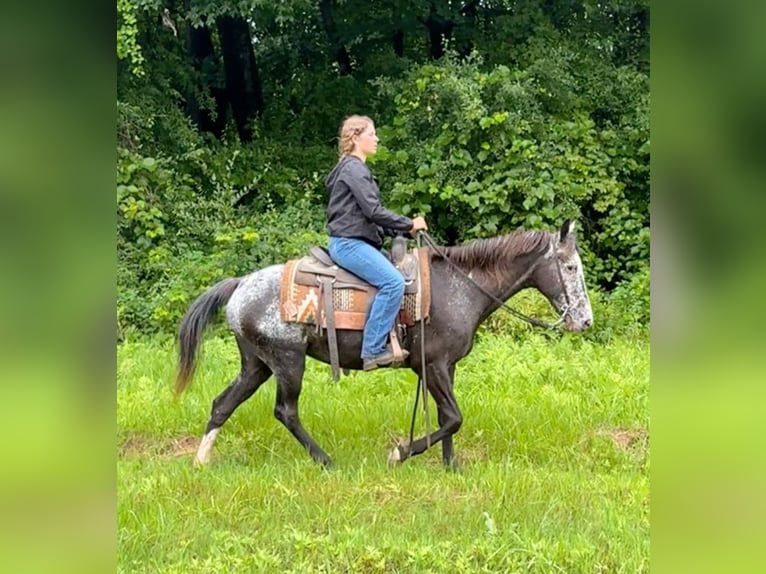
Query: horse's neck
[[473, 304], [516, 280], [521, 275]]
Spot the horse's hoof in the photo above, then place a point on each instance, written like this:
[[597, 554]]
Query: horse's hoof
[[397, 455], [394, 456], [202, 458]]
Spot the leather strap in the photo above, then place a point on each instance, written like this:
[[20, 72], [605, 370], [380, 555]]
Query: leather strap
[[320, 310], [321, 255], [332, 336], [396, 347]]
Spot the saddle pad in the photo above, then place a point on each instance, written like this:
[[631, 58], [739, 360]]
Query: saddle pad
[[302, 303]]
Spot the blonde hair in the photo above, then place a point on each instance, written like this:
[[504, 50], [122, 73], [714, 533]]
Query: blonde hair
[[351, 126]]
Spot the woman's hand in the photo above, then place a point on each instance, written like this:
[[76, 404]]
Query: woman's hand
[[418, 224]]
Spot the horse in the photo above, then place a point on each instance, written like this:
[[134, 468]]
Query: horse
[[468, 283]]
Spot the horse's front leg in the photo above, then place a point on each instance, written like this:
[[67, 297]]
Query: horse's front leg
[[448, 452], [439, 382]]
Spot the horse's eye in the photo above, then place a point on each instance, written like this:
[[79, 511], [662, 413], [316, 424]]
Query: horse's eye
[[571, 267]]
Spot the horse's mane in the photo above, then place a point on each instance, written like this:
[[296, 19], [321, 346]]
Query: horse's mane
[[492, 257]]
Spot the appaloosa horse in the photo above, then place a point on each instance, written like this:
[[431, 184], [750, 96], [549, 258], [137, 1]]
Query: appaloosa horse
[[468, 283]]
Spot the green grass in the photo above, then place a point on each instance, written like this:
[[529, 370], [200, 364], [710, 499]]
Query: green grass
[[553, 454]]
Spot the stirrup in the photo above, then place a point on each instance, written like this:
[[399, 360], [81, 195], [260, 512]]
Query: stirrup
[[399, 354]]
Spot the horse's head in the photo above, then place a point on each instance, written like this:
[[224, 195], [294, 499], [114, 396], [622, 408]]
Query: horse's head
[[560, 279]]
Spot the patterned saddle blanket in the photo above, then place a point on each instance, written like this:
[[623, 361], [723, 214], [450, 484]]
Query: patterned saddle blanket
[[310, 282]]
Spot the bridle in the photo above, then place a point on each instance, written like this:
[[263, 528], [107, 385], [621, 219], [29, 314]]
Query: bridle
[[502, 304]]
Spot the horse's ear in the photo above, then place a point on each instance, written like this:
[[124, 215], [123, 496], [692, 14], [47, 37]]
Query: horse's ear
[[567, 231]]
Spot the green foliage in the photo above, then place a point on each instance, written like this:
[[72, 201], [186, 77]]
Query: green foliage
[[127, 36], [148, 127], [547, 118], [624, 312], [321, 110], [183, 225], [630, 299], [479, 152]]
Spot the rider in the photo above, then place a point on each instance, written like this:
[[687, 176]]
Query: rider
[[356, 220]]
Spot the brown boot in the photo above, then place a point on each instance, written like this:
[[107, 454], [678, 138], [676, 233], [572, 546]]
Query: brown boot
[[385, 359]]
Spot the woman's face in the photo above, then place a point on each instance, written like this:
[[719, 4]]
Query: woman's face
[[367, 141]]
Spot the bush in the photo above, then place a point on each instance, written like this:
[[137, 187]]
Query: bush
[[481, 152], [631, 298], [185, 222], [180, 275], [623, 312]]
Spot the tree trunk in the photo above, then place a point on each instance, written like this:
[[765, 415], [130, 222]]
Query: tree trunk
[[205, 63], [397, 34], [439, 29], [341, 54], [465, 44], [243, 84], [398, 42]]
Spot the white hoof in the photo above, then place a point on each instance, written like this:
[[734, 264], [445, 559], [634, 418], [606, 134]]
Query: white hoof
[[206, 446], [394, 456]]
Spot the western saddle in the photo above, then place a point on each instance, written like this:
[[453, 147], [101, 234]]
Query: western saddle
[[316, 291]]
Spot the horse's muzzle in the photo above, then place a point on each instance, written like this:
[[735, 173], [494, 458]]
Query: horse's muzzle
[[577, 324]]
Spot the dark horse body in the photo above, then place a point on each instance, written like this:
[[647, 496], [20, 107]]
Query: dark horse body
[[502, 266]]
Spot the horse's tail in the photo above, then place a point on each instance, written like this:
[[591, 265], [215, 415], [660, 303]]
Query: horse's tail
[[197, 318]]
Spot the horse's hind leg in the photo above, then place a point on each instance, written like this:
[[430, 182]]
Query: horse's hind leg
[[253, 374], [289, 375]]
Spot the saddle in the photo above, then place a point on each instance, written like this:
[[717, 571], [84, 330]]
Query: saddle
[[316, 291]]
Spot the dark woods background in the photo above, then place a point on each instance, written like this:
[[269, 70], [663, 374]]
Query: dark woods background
[[492, 115]]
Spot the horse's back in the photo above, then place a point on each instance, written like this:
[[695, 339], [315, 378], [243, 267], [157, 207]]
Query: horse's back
[[254, 307]]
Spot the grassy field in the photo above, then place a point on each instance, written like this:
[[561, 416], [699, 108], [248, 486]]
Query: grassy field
[[553, 453]]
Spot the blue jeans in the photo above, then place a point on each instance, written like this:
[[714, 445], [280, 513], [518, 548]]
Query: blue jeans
[[370, 264]]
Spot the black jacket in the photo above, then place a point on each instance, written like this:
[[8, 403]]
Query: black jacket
[[354, 208]]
